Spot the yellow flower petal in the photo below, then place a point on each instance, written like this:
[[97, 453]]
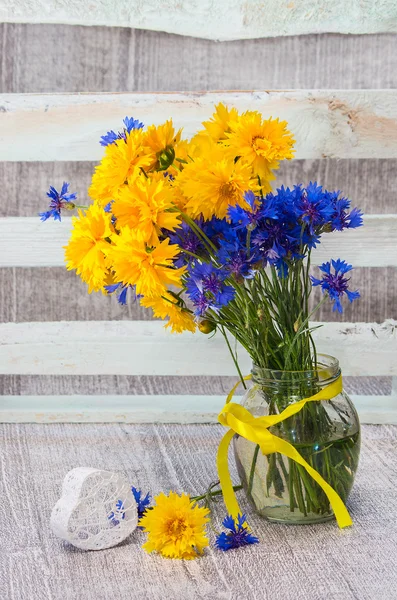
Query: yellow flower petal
[[165, 307], [213, 183], [160, 140], [259, 143], [146, 205], [219, 125], [121, 163], [88, 245], [150, 269], [175, 527]]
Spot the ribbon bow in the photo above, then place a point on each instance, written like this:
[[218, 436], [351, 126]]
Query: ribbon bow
[[256, 430]]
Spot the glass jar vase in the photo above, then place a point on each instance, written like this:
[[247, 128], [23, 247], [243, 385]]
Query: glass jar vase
[[325, 433]]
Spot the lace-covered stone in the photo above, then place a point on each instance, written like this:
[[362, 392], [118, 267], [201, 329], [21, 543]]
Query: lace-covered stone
[[97, 509]]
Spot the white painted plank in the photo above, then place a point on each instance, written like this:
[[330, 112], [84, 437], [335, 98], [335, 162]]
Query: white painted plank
[[28, 242], [152, 409], [110, 409], [326, 123], [221, 20], [146, 348]]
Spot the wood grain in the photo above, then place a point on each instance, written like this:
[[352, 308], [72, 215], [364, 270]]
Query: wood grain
[[336, 124], [216, 21], [28, 242], [146, 348], [60, 294], [94, 385], [378, 301], [61, 58], [326, 563], [370, 183]]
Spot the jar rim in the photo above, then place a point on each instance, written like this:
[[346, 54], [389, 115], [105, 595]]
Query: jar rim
[[327, 368]]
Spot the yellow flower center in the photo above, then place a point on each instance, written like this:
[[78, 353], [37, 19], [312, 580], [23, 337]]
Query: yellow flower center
[[260, 145], [176, 527], [226, 191]]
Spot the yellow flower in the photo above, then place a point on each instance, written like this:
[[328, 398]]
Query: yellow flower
[[164, 307], [213, 183], [150, 269], [219, 125], [178, 197], [200, 145], [175, 527], [87, 247], [159, 141], [260, 143], [145, 205], [182, 150], [122, 161]]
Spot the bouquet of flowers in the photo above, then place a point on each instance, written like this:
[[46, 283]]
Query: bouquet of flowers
[[192, 230]]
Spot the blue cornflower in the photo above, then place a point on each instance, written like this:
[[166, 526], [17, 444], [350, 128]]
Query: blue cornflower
[[234, 256], [354, 219], [108, 207], [58, 201], [202, 303], [121, 290], [118, 514], [109, 138], [112, 136], [260, 209], [215, 228], [335, 284], [238, 535], [187, 240], [240, 217], [272, 241], [306, 237], [207, 289], [285, 200], [313, 206], [342, 219], [131, 124], [142, 503]]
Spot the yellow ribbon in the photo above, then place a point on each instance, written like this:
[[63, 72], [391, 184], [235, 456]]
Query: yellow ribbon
[[256, 430]]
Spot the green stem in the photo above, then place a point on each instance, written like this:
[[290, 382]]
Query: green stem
[[252, 471], [198, 231], [233, 357], [236, 488]]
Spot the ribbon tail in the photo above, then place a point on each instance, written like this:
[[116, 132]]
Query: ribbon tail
[[341, 513], [225, 481]]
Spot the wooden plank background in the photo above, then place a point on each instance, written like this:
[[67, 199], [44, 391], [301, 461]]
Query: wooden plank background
[[27, 242], [326, 124], [232, 20], [61, 58], [147, 348]]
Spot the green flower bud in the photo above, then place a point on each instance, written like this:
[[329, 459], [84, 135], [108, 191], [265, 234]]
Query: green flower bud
[[165, 158], [206, 326]]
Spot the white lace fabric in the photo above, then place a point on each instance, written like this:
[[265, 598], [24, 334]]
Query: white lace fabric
[[97, 509]]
